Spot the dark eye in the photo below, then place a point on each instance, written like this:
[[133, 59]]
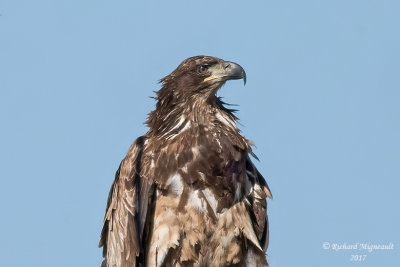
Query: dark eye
[[202, 68]]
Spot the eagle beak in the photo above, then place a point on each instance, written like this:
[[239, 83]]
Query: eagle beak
[[234, 71], [226, 71]]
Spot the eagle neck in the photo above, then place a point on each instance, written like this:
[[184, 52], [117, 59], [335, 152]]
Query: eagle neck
[[172, 117]]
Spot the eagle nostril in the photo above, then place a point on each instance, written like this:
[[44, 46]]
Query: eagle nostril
[[226, 65]]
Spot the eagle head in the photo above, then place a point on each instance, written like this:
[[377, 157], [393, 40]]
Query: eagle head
[[189, 94], [201, 76]]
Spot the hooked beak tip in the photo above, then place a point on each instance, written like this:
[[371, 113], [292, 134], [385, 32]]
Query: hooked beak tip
[[235, 71]]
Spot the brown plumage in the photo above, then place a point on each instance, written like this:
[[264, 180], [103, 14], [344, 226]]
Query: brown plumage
[[187, 193]]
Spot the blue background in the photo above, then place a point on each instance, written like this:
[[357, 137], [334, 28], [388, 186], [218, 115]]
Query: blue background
[[321, 104]]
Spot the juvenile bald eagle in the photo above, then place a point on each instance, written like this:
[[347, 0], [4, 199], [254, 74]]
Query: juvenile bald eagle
[[187, 193]]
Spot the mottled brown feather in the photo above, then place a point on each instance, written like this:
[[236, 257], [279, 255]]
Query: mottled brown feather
[[121, 232], [187, 193]]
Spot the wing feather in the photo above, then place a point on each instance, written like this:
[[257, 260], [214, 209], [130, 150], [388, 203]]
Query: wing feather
[[258, 203], [120, 235]]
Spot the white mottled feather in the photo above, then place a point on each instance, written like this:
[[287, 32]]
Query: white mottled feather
[[174, 184]]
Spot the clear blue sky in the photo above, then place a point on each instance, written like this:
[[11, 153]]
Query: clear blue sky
[[322, 104]]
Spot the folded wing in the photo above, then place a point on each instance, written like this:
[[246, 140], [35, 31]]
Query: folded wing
[[258, 203], [122, 230]]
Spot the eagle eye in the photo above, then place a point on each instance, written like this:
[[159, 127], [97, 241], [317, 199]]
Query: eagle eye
[[202, 68]]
